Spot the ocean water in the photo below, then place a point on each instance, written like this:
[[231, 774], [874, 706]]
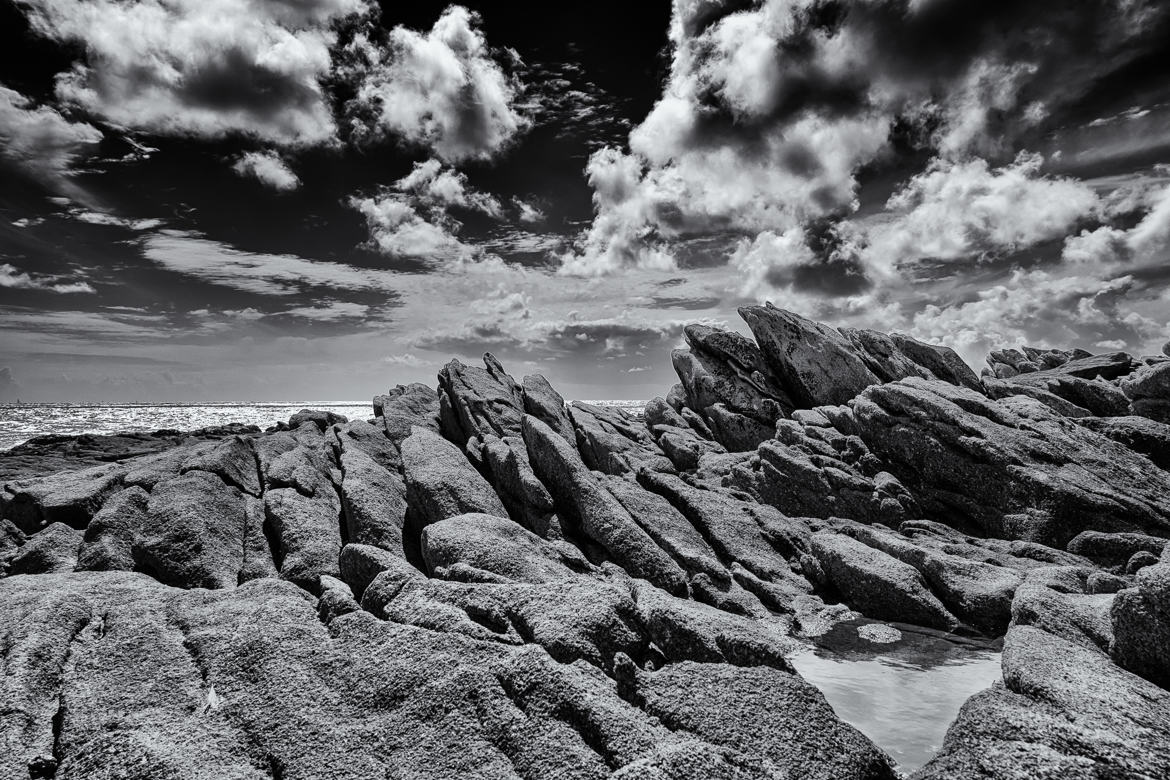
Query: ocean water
[[20, 422], [902, 691]]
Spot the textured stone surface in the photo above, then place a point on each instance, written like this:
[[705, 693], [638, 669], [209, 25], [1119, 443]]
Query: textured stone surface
[[483, 583], [877, 584]]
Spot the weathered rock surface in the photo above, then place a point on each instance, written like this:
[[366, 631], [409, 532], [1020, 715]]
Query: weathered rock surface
[[1013, 470], [594, 512], [1148, 389], [440, 483], [485, 582], [373, 500], [70, 497], [878, 584], [1141, 625], [816, 363], [479, 401], [1139, 434]]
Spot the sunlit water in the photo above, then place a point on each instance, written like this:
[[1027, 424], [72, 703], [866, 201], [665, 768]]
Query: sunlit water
[[24, 421], [903, 695], [20, 422]]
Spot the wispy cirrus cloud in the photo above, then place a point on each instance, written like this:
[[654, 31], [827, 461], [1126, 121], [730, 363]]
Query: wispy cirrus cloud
[[15, 279], [262, 274]]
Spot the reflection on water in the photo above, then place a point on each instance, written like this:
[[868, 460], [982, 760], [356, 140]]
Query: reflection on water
[[903, 694]]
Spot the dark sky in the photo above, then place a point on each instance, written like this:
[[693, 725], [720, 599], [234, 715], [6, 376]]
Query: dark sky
[[317, 199]]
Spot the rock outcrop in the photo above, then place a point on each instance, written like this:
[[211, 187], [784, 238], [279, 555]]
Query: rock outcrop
[[482, 581]]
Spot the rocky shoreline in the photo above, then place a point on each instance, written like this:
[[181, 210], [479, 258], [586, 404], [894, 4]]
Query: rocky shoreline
[[481, 581]]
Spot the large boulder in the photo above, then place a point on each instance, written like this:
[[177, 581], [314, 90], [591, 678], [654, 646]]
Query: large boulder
[[193, 534], [1064, 710], [814, 363], [547, 405], [941, 361], [233, 460], [1141, 625], [758, 538], [1012, 468], [1139, 434], [1148, 390], [373, 500], [1114, 549], [614, 443], [406, 406], [878, 585], [479, 401], [307, 534], [483, 548], [48, 551], [112, 536], [760, 709], [594, 512], [370, 439], [977, 592], [1099, 397], [70, 497], [441, 482], [526, 498]]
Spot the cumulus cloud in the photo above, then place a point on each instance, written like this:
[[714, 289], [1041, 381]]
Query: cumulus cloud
[[444, 90], [1041, 307], [1147, 242], [396, 229], [269, 169], [40, 138], [203, 68], [15, 279], [956, 211], [412, 219], [526, 212], [438, 188], [772, 108]]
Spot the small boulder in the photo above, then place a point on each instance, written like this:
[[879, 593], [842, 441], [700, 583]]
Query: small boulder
[[52, 549]]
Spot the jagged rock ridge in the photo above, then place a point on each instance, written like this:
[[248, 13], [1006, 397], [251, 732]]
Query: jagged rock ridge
[[481, 581]]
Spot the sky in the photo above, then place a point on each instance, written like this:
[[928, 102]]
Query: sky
[[211, 200]]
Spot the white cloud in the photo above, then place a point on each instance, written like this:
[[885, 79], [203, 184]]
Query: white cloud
[[413, 219], [434, 187], [772, 108], [766, 262], [1040, 307], [262, 274], [441, 90], [40, 138], [396, 229], [329, 311], [957, 211], [205, 68], [528, 213], [105, 218], [269, 169], [13, 278]]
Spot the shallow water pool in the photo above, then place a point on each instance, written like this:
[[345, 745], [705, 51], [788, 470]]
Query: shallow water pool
[[902, 690]]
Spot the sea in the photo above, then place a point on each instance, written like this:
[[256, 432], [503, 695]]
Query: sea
[[21, 422]]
